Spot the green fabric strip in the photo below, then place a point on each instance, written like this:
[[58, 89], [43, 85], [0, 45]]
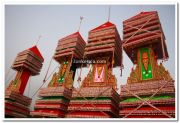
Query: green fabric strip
[[134, 99], [9, 99], [53, 98]]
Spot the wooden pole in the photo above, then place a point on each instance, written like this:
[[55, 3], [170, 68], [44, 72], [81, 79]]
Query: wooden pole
[[109, 13], [81, 18], [38, 40]]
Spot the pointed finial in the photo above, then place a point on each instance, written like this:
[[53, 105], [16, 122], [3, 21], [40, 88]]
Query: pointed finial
[[109, 13], [38, 39], [141, 8], [81, 18]]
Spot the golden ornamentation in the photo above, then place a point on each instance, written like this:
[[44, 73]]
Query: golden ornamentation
[[99, 69], [109, 79], [15, 84], [159, 72], [68, 80]]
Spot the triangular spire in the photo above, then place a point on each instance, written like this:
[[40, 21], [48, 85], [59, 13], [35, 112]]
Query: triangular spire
[[105, 25], [70, 36], [35, 50]]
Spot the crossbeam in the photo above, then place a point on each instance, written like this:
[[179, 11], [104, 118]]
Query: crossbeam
[[144, 101], [139, 29], [90, 102]]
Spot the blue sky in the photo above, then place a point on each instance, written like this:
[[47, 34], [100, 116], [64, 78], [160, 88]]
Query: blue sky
[[24, 23]]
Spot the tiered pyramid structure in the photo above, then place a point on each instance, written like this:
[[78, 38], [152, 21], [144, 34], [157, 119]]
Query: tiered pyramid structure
[[54, 99], [97, 96], [150, 91], [27, 63]]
